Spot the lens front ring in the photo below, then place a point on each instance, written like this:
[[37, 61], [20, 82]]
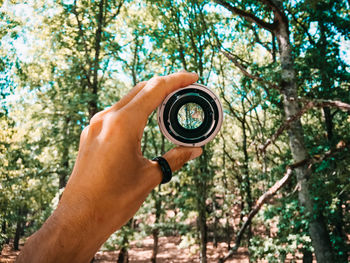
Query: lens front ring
[[168, 111]]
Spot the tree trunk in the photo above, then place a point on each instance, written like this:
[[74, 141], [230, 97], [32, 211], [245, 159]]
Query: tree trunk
[[158, 207], [65, 165], [327, 84], [201, 182], [215, 236], [3, 227], [93, 109], [307, 256], [246, 177], [155, 231], [123, 255], [317, 228], [22, 212], [202, 223], [3, 231], [19, 230], [63, 176], [328, 123], [228, 232], [224, 181]]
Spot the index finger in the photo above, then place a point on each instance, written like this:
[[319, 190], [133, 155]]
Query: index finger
[[155, 91]]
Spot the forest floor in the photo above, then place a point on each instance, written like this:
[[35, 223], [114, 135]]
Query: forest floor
[[141, 252], [168, 252]]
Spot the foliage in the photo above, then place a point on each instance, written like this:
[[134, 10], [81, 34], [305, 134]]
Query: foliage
[[62, 61]]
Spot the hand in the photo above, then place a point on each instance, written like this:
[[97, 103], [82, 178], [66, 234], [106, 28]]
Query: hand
[[110, 179]]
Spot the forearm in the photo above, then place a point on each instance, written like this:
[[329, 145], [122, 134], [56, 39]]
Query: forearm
[[69, 235], [81, 224]]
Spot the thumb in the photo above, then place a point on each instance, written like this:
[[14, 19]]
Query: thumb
[[178, 156]]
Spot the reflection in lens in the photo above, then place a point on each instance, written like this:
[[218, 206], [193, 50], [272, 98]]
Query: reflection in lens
[[190, 116]]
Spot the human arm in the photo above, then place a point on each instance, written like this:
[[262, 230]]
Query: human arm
[[110, 179]]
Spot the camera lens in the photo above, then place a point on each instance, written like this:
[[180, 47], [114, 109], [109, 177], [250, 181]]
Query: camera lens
[[191, 116]]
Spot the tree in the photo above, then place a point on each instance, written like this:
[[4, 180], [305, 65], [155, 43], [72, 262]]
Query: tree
[[279, 26]]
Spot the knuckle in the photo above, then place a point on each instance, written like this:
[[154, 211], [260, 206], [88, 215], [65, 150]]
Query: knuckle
[[95, 118], [98, 116], [119, 118], [95, 124], [84, 132], [157, 81], [116, 121], [140, 84]]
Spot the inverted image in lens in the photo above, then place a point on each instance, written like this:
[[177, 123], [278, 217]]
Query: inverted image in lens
[[190, 116]]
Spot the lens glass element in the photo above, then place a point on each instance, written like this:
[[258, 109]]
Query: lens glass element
[[190, 116]]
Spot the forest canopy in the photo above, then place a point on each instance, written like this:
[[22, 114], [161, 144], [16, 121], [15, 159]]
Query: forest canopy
[[275, 180]]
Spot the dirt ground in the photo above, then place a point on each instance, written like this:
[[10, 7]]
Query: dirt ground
[[141, 252], [168, 252]]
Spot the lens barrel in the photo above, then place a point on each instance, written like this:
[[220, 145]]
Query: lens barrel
[[191, 116]]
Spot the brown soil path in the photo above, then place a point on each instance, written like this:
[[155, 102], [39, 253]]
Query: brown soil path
[[169, 252], [141, 252]]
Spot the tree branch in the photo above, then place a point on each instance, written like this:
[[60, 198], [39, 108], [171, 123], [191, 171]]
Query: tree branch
[[309, 105], [234, 59], [279, 14], [119, 7], [273, 190], [258, 40], [234, 113], [330, 103], [285, 126], [248, 16], [259, 203], [243, 69], [303, 27]]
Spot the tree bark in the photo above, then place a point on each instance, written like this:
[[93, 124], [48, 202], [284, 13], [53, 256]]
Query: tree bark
[[123, 256], [22, 215], [155, 231], [224, 181], [93, 109], [202, 223], [307, 256], [63, 176], [17, 234], [158, 205], [328, 123], [201, 181], [215, 226], [4, 230], [317, 228], [246, 178]]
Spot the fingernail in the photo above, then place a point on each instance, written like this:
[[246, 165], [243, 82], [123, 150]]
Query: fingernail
[[195, 153], [183, 70]]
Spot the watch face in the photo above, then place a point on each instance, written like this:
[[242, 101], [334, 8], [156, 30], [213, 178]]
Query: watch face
[[191, 116]]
